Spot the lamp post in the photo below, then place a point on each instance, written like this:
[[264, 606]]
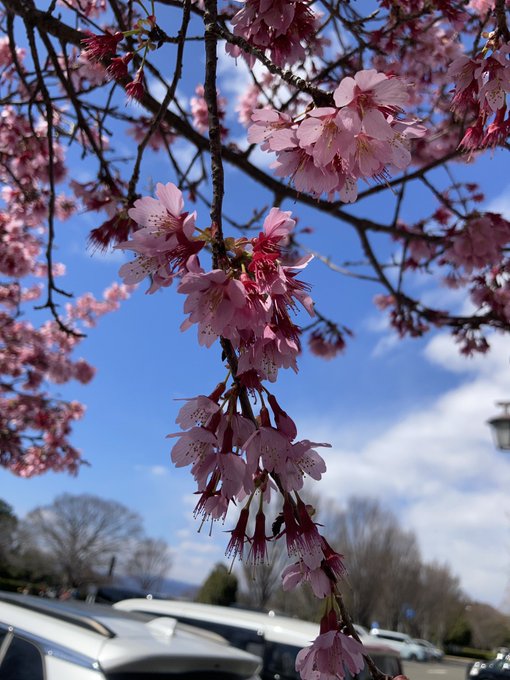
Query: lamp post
[[500, 426]]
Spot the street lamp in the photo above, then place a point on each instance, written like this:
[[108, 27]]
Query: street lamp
[[501, 427]]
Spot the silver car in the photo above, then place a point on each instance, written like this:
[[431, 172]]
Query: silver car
[[52, 640]]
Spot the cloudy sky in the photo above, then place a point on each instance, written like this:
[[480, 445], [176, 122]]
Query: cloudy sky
[[406, 420]]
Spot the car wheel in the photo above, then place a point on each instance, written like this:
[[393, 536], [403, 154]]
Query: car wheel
[[413, 657]]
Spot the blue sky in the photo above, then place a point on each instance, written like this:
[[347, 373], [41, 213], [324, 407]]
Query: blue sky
[[406, 420]]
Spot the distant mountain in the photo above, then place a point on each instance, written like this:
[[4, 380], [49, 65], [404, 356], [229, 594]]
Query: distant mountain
[[169, 587], [179, 588]]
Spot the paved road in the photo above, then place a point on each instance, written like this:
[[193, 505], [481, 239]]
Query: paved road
[[449, 669]]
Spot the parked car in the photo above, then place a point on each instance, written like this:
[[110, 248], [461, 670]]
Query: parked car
[[54, 640], [433, 652], [402, 643], [498, 669], [276, 639]]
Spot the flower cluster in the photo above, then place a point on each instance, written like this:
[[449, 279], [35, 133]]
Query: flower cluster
[[200, 113], [250, 303], [278, 26], [90, 8], [252, 306], [35, 428], [331, 653], [164, 243], [7, 59], [482, 84], [161, 138], [330, 148], [231, 459], [103, 48], [237, 457], [327, 340], [480, 243]]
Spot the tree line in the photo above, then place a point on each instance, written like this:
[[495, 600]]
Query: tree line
[[388, 582]]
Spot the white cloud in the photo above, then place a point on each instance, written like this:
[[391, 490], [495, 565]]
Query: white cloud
[[438, 469], [501, 204], [234, 74], [153, 470], [111, 256], [386, 344], [194, 559]]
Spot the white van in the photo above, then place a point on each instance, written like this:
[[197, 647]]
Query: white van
[[402, 643], [276, 639]]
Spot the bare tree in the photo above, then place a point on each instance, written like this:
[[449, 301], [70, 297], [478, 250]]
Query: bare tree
[[440, 602], [262, 581], [489, 627], [150, 563], [377, 551], [83, 533], [401, 565]]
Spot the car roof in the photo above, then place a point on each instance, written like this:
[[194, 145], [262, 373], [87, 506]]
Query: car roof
[[275, 628], [118, 640], [396, 633]]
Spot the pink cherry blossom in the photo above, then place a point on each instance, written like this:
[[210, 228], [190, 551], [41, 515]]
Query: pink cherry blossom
[[239, 536], [268, 448], [330, 148], [329, 655], [212, 302], [200, 112], [164, 243], [196, 411], [298, 573], [97, 47], [302, 460], [258, 548], [370, 90], [279, 26], [193, 445], [481, 242]]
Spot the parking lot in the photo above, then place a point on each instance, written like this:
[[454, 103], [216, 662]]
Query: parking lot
[[449, 669]]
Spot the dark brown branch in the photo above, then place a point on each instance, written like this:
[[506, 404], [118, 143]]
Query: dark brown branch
[[170, 94], [52, 287], [215, 149]]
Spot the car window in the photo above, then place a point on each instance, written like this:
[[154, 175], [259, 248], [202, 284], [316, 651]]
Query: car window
[[280, 661], [387, 664], [385, 636], [22, 661]]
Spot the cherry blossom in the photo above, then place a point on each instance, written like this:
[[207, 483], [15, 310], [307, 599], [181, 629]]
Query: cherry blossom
[[164, 242], [330, 654], [200, 112], [277, 26], [331, 148], [339, 101]]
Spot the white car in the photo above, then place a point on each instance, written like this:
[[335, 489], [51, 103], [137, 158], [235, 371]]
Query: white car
[[433, 652], [276, 639], [402, 643], [52, 640]]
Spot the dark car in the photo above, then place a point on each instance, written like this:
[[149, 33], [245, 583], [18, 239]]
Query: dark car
[[499, 669]]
